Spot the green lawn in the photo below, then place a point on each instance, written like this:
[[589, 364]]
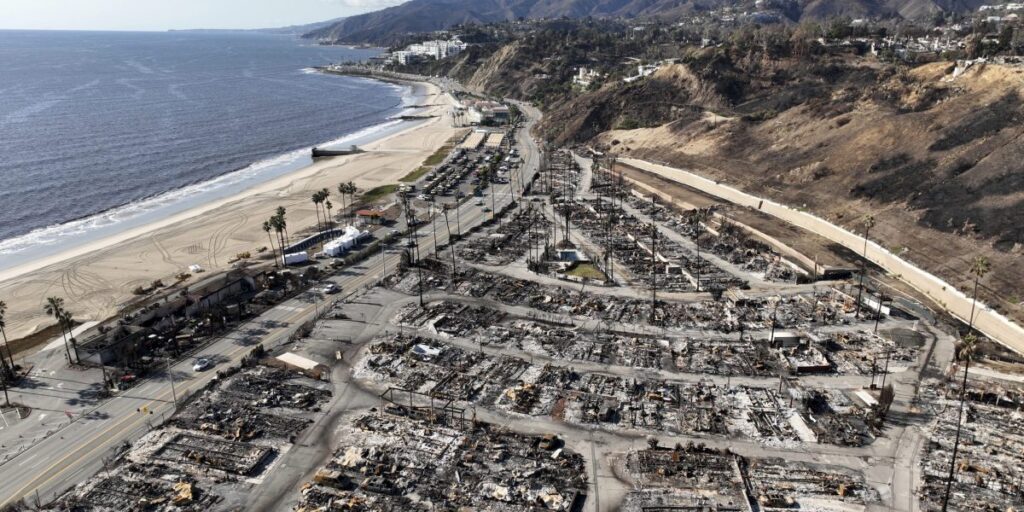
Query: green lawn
[[429, 164], [415, 175], [376, 193], [587, 271]]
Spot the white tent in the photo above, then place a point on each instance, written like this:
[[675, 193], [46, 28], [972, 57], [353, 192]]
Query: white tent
[[348, 240]]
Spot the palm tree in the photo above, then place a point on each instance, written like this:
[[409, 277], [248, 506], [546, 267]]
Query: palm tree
[[316, 205], [3, 331], [351, 189], [330, 216], [869, 222], [68, 322], [965, 354], [343, 190], [8, 371], [55, 307], [266, 228], [278, 224], [280, 213], [979, 267]]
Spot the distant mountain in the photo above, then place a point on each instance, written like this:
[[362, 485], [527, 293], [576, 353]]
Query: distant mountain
[[295, 30], [389, 25]]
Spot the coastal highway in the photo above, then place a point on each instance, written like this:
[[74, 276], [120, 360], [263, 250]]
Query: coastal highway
[[81, 448]]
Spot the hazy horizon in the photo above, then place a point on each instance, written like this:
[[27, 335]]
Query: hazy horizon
[[159, 16]]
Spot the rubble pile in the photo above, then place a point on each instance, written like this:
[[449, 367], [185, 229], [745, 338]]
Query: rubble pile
[[227, 433], [724, 239], [139, 487], [509, 240], [734, 312], [389, 463], [263, 402], [989, 474], [695, 477], [629, 239], [559, 176], [440, 369]]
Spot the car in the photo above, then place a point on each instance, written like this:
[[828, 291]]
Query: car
[[411, 243], [331, 288], [487, 209], [479, 203], [202, 364]]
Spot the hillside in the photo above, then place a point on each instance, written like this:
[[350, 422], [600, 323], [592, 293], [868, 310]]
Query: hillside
[[391, 24], [936, 159], [935, 155]]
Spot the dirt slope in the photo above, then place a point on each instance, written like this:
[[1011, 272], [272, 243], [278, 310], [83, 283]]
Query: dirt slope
[[936, 156]]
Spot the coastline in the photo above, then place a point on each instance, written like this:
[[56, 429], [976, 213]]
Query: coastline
[[209, 234]]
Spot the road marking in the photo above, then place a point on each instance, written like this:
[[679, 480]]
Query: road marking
[[133, 420]]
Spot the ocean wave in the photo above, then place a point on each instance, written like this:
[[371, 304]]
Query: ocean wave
[[180, 199]]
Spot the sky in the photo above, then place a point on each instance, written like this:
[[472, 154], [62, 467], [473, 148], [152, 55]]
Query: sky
[[175, 14]]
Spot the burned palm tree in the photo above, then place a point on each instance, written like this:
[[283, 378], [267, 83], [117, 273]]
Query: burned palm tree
[[965, 354], [979, 267]]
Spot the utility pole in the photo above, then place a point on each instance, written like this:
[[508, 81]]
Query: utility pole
[[419, 277], [775, 312], [451, 243], [458, 218], [869, 222], [383, 263], [888, 353], [654, 270], [696, 241], [433, 223], [170, 375], [493, 203], [566, 209], [878, 314]]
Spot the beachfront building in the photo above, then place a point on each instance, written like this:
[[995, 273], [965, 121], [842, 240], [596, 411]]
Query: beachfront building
[[404, 57], [485, 112], [435, 49]]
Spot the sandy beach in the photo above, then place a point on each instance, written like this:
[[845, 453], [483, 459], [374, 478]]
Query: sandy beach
[[94, 279]]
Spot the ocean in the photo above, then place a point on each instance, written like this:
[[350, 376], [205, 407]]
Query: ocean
[[101, 132]]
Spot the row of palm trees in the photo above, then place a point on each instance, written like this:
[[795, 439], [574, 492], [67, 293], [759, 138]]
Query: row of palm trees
[[54, 307], [348, 190], [279, 225], [324, 210], [8, 360], [965, 352], [320, 197]]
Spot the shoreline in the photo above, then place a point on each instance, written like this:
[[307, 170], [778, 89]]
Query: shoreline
[[388, 157], [182, 202]]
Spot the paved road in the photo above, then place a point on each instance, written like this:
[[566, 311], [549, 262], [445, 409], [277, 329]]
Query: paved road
[[986, 320], [77, 450]]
